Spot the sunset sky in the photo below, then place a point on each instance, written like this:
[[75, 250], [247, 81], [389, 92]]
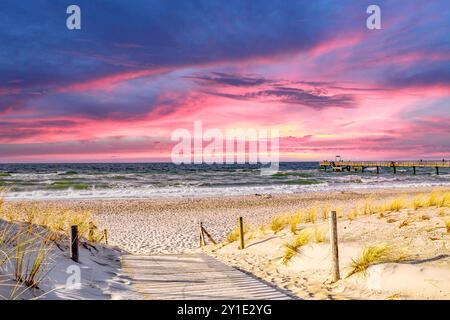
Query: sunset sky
[[137, 70]]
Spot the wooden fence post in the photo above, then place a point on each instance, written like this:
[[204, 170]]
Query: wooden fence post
[[241, 233], [335, 276], [74, 243], [202, 236], [208, 235], [105, 235]]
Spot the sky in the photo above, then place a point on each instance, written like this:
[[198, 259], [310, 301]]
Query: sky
[[138, 70]]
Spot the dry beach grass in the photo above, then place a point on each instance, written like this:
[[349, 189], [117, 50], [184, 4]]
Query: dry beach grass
[[34, 251]]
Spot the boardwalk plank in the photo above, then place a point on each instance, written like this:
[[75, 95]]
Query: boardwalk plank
[[195, 276]]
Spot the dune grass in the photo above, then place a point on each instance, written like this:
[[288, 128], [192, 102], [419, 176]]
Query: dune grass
[[417, 202], [432, 199], [292, 248], [305, 236], [353, 214], [374, 254], [319, 235], [447, 225], [295, 220], [445, 200], [32, 257], [367, 208], [26, 256], [279, 223], [233, 235], [396, 205], [55, 219], [28, 234], [255, 232], [249, 232], [325, 210], [311, 215]]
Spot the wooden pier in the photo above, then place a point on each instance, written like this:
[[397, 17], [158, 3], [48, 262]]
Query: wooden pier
[[362, 165]]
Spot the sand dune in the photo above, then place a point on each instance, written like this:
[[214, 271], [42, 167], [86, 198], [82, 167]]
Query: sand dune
[[420, 268]]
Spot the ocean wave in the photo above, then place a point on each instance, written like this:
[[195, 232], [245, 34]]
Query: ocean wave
[[186, 191], [65, 181]]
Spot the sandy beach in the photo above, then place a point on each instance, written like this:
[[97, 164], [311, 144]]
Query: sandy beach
[[171, 225]]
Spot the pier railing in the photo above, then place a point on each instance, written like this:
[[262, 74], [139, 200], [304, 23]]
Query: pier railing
[[361, 165], [367, 164]]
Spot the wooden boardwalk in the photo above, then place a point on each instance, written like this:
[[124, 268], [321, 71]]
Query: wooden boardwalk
[[194, 277]]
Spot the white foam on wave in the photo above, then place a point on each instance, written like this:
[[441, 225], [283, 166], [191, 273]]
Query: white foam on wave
[[149, 192]]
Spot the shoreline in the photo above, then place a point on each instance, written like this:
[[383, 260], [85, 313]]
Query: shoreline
[[281, 194], [201, 192]]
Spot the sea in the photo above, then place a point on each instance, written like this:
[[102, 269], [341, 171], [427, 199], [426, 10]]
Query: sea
[[158, 180]]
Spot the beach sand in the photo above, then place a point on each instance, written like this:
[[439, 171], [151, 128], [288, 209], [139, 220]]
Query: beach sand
[[147, 226], [144, 226]]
